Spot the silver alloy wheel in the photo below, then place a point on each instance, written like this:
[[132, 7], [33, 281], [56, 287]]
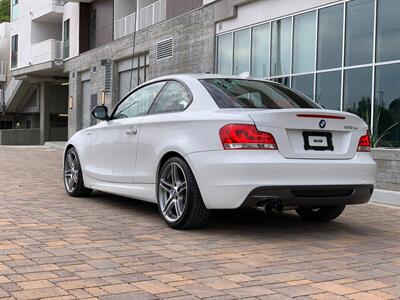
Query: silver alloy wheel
[[71, 172], [172, 192]]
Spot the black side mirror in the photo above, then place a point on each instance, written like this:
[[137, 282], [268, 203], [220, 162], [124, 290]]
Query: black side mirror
[[100, 112]]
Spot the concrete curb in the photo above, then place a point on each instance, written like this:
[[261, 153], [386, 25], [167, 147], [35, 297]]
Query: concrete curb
[[386, 197], [56, 145]]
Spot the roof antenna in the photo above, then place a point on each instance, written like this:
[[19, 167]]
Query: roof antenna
[[133, 48]]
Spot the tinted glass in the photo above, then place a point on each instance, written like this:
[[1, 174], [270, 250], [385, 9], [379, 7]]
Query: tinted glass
[[359, 32], [241, 93], [260, 51], [328, 90], [388, 30], [225, 54], [330, 37], [304, 84], [387, 105], [357, 92], [139, 102], [304, 43], [241, 61], [174, 97], [281, 45]]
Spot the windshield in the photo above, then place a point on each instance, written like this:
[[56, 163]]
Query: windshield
[[243, 93]]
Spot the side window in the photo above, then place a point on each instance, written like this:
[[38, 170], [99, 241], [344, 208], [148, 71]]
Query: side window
[[173, 98], [139, 102]]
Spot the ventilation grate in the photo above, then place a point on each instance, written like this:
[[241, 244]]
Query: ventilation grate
[[107, 78], [164, 49]]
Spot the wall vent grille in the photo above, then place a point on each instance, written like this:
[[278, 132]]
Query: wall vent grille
[[107, 81], [165, 49]]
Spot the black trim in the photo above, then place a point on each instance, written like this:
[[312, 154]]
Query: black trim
[[328, 135], [315, 195], [166, 80]]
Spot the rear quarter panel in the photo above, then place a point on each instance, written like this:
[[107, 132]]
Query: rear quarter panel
[[183, 132]]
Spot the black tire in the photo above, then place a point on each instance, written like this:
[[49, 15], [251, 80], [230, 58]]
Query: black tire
[[78, 189], [194, 214], [320, 214]]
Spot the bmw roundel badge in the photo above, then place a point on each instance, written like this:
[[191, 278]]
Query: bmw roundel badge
[[322, 124]]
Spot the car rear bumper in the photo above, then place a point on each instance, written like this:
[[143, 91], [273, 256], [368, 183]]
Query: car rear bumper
[[233, 179], [309, 195]]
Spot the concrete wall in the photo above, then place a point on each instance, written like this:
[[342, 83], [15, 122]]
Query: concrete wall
[[388, 161], [193, 35], [261, 11], [42, 31], [19, 137]]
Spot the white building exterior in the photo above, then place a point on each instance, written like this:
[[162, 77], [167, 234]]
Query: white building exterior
[[37, 28]]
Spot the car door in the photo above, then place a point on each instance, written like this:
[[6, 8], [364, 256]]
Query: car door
[[162, 128], [114, 142]]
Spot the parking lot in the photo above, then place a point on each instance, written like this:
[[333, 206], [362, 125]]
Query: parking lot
[[108, 247]]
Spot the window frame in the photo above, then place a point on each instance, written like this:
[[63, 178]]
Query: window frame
[[156, 99], [114, 110]]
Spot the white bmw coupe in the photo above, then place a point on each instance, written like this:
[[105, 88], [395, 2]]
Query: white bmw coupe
[[194, 143]]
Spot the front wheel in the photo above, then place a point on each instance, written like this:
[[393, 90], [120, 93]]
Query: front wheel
[[73, 178], [179, 199], [322, 214]]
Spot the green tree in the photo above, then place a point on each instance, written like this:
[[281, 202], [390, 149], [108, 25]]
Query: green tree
[[4, 11]]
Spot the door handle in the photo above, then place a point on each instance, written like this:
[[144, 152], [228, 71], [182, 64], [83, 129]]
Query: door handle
[[131, 131]]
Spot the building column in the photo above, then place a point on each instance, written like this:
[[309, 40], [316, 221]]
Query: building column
[[74, 103], [44, 94]]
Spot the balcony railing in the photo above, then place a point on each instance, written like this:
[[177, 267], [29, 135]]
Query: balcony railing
[[55, 7], [124, 26], [3, 71], [46, 51], [153, 13]]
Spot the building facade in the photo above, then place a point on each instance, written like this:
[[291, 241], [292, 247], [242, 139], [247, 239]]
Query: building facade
[[343, 54]]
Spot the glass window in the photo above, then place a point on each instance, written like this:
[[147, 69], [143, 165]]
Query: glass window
[[330, 37], [173, 98], [241, 59], [388, 30], [304, 84], [304, 43], [359, 32], [225, 54], [14, 10], [242, 93], [281, 47], [92, 29], [357, 92], [328, 90], [14, 51], [66, 39], [139, 102], [387, 106], [260, 51]]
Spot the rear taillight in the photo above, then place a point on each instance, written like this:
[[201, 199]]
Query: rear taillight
[[241, 136], [364, 145]]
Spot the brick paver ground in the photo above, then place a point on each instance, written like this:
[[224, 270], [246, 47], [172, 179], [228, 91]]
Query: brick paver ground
[[106, 247]]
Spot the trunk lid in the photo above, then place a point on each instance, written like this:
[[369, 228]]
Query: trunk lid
[[311, 133]]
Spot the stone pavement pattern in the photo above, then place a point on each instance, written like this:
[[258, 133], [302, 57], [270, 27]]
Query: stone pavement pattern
[[106, 247]]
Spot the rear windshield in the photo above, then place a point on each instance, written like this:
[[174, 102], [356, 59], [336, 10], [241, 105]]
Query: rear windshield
[[242, 93]]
